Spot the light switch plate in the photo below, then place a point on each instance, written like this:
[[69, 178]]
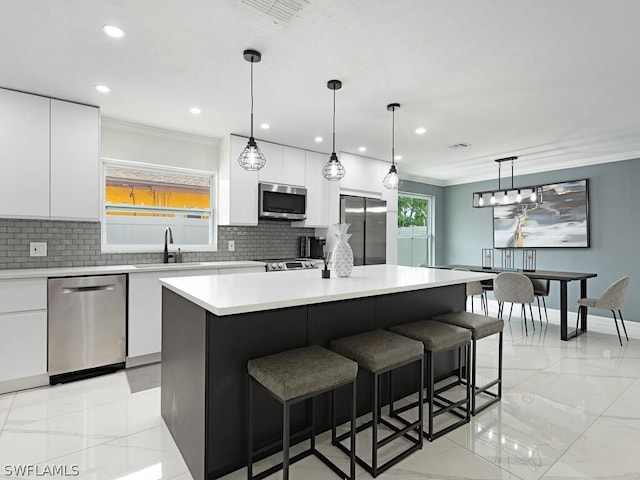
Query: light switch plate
[[38, 249], [232, 245]]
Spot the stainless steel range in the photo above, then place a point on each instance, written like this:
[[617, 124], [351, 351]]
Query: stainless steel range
[[281, 264]]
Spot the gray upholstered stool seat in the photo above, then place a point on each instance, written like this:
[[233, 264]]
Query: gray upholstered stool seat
[[439, 337], [295, 376], [302, 371], [436, 336], [380, 352], [480, 326]]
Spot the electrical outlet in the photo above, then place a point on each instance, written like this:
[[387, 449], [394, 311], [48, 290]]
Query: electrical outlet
[[232, 245], [38, 249]]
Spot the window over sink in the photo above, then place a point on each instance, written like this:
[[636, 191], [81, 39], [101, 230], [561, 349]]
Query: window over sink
[[142, 200]]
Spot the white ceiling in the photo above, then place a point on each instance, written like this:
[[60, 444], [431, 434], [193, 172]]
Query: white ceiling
[[554, 82]]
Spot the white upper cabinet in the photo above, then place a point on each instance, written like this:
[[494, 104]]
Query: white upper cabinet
[[24, 155], [285, 165], [272, 170], [294, 166], [237, 187], [49, 151], [75, 172], [362, 174], [318, 191]]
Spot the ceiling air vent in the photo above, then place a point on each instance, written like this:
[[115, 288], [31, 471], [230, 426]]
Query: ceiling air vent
[[460, 145], [279, 10]]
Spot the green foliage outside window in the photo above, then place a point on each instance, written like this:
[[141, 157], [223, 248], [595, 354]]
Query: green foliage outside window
[[412, 211]]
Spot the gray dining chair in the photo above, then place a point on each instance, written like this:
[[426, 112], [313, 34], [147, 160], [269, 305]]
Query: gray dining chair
[[473, 289], [611, 299], [541, 287], [514, 287]]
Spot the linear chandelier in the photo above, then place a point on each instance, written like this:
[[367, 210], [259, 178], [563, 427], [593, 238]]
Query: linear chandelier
[[508, 196]]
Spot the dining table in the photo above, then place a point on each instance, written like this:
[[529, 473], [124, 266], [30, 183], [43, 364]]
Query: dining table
[[562, 277]]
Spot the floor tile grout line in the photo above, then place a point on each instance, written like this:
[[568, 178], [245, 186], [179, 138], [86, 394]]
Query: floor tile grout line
[[124, 399], [4, 423]]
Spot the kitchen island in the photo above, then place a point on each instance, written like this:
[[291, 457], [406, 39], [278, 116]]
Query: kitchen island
[[211, 327]]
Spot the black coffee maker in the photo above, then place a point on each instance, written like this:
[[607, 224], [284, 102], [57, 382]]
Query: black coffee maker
[[311, 247]]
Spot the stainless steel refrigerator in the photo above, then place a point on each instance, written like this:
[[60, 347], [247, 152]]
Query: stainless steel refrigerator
[[368, 219]]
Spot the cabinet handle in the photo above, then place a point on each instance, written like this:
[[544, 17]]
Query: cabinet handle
[[88, 289]]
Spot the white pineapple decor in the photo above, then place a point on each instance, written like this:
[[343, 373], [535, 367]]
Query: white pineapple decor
[[342, 255]]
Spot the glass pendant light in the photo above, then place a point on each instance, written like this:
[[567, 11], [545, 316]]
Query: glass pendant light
[[252, 158], [333, 169], [392, 179]]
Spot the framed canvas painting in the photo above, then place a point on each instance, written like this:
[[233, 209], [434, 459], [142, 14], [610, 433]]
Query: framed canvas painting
[[561, 220]]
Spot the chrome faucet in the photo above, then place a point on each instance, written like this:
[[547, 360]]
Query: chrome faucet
[[166, 247]]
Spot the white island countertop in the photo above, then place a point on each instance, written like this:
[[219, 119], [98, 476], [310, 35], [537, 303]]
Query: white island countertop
[[252, 292]]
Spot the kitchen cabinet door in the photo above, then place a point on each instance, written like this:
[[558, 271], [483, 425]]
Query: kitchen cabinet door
[[318, 192], [24, 155], [23, 345], [238, 188], [229, 271], [75, 167], [273, 170], [294, 166], [362, 174]]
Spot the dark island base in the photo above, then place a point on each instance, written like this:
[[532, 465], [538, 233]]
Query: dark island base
[[204, 358]]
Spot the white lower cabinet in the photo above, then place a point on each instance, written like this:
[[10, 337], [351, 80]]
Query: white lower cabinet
[[23, 334], [144, 333]]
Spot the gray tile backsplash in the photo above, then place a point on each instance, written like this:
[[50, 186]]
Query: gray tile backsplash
[[77, 244]]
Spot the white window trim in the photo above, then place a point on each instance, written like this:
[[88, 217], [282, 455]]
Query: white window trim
[[152, 248]]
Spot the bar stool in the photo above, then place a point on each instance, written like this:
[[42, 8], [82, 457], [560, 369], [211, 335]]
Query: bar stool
[[481, 327], [379, 352], [292, 377], [440, 337]]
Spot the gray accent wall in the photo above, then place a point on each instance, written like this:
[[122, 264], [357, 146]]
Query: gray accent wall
[[77, 244], [614, 193]]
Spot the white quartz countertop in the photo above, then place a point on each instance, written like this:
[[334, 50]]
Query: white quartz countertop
[[115, 269], [253, 292]]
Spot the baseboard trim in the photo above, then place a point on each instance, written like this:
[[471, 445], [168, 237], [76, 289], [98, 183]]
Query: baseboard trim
[[143, 360], [15, 384], [595, 323]]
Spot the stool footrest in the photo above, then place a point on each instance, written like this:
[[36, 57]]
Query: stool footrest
[[267, 450]]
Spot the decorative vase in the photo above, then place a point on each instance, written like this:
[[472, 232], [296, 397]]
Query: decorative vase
[[342, 255]]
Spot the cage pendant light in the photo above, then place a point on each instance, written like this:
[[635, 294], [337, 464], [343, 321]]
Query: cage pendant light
[[392, 179], [252, 158], [333, 170]]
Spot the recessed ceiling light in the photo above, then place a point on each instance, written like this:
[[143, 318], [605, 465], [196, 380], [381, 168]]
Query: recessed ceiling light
[[103, 88], [195, 110], [397, 157], [113, 31], [362, 149], [421, 130], [318, 139], [264, 126]]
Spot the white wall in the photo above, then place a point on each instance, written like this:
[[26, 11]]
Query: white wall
[[141, 143]]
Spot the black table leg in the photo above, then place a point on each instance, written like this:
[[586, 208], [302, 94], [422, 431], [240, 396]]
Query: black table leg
[[583, 316], [563, 311]]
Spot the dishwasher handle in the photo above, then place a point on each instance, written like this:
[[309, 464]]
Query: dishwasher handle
[[93, 288]]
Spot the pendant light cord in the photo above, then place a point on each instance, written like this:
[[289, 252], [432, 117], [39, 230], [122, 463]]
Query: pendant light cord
[[252, 99], [393, 136], [334, 121]]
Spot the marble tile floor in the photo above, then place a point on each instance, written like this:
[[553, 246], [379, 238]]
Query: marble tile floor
[[571, 410]]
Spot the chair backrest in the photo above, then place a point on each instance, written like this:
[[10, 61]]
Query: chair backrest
[[613, 297], [473, 288], [541, 286], [513, 287]]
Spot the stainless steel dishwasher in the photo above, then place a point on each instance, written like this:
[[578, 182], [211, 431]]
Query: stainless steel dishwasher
[[87, 326]]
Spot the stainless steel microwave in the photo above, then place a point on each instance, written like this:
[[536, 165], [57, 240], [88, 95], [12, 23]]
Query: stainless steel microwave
[[282, 201]]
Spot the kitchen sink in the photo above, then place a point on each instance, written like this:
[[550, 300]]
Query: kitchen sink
[[167, 265]]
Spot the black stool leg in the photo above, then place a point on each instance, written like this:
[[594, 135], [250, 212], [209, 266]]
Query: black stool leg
[[352, 455], [500, 365], [250, 432], [430, 389], [285, 441], [374, 427], [421, 404], [467, 357], [473, 377]]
